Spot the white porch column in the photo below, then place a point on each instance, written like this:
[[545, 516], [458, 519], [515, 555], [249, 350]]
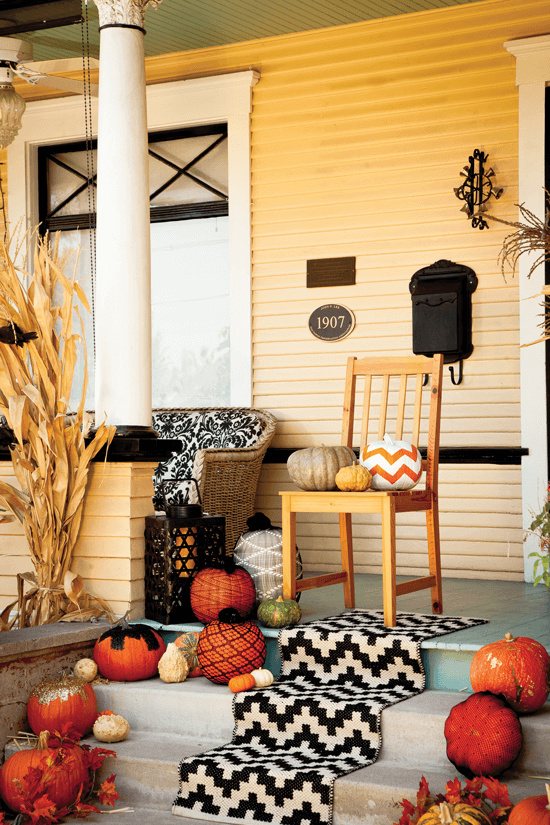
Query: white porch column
[[123, 278], [532, 77]]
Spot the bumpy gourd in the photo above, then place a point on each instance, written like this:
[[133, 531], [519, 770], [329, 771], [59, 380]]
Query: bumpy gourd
[[173, 665], [315, 468], [85, 669], [111, 728], [353, 479]]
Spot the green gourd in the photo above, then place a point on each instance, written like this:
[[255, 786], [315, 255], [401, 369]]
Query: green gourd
[[279, 612]]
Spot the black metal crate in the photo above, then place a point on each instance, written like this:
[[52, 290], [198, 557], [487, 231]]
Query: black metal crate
[[175, 550]]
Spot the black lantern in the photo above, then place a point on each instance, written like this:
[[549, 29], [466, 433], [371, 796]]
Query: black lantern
[[178, 545]]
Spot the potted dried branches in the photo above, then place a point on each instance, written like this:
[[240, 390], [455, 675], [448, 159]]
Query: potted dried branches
[[531, 235], [50, 457]]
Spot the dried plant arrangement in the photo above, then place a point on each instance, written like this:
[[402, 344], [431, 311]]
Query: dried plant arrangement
[[49, 451], [531, 235]]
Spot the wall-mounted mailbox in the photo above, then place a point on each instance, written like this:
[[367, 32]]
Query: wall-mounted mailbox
[[442, 311]]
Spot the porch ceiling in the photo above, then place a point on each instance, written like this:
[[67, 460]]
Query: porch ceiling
[[182, 25]]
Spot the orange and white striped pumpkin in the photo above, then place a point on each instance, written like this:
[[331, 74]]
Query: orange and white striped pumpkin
[[394, 465]]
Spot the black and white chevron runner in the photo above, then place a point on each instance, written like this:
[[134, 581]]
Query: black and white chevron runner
[[318, 721]]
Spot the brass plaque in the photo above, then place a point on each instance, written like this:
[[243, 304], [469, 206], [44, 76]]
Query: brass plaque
[[330, 272]]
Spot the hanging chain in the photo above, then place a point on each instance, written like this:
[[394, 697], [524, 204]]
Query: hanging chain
[[89, 157]]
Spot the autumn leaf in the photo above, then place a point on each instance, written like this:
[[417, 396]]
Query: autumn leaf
[[422, 795], [82, 810], [43, 811], [107, 794], [497, 792], [474, 785], [95, 758], [408, 811], [33, 783], [453, 791]]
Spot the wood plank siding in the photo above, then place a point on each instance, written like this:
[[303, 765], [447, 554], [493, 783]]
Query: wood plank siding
[[359, 134]]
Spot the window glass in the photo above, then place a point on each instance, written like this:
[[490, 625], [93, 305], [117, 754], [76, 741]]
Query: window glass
[[190, 313], [189, 258]]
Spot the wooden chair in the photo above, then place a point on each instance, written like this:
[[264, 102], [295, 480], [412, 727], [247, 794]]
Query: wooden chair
[[385, 503]]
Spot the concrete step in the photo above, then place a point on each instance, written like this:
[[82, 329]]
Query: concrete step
[[196, 707], [202, 711], [147, 779]]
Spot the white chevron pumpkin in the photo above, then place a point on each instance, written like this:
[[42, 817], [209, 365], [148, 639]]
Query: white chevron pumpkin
[[394, 465]]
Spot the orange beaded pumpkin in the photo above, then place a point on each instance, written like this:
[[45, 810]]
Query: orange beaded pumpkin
[[533, 809], [230, 647], [62, 700], [126, 653], [517, 668], [483, 735], [65, 768]]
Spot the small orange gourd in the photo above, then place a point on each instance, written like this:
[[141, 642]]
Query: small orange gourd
[[353, 478], [245, 681]]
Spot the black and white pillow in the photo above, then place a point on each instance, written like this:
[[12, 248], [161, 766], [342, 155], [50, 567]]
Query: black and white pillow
[[198, 430]]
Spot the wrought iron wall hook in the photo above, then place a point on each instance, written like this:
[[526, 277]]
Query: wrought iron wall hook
[[451, 370], [477, 189]]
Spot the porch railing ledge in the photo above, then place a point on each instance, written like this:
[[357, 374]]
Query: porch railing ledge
[[447, 455]]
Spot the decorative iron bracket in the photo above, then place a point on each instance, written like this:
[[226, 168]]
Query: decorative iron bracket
[[477, 189]]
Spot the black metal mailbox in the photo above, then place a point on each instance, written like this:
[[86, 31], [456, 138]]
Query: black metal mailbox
[[442, 310]]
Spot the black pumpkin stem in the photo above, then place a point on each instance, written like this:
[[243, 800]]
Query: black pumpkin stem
[[230, 615], [259, 521]]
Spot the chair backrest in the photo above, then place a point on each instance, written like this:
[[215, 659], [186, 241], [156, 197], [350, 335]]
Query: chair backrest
[[389, 406]]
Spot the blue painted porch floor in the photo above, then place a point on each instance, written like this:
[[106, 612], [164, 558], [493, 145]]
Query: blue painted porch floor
[[515, 607]]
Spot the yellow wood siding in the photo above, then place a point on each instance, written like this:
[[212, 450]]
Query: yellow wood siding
[[359, 134], [109, 553]]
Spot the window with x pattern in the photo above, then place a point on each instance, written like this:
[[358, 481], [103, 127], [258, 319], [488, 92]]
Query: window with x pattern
[[189, 202]]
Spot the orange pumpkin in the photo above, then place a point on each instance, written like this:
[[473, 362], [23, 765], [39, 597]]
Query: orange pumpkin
[[66, 773], [517, 668], [533, 809], [214, 589], [61, 700], [126, 653], [245, 681]]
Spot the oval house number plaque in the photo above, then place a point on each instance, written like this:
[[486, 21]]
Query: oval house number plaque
[[331, 322]]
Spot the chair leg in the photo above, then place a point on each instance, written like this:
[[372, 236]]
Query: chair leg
[[346, 548], [432, 524], [388, 562], [289, 550]]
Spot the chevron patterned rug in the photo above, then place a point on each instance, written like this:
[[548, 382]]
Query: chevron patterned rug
[[318, 721]]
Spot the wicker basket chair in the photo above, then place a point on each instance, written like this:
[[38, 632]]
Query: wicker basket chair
[[226, 473]]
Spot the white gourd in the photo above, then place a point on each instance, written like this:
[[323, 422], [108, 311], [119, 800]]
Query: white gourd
[[173, 665], [111, 728], [85, 669], [263, 677]]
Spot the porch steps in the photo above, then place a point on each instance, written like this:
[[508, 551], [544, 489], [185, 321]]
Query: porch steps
[[170, 722]]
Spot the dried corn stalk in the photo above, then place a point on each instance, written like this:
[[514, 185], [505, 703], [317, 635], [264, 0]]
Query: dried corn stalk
[[49, 454]]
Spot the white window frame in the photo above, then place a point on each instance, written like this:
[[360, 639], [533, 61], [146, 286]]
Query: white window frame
[[221, 98], [532, 76]]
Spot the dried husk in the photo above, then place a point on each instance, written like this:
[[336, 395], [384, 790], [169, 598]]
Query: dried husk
[[49, 454]]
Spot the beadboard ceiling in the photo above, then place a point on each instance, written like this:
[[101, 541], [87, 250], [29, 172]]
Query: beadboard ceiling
[[182, 25]]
